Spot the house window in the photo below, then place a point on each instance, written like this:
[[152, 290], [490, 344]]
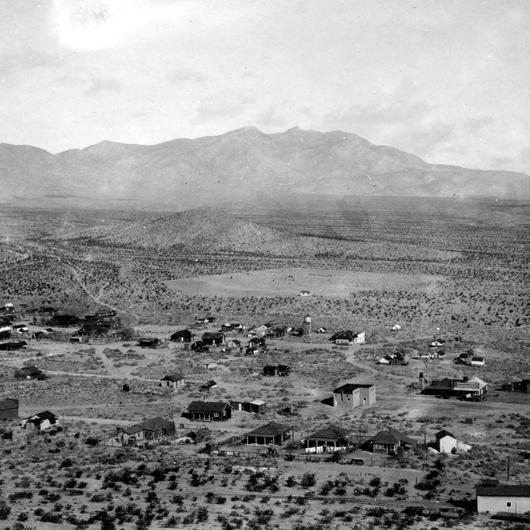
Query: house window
[[509, 504]]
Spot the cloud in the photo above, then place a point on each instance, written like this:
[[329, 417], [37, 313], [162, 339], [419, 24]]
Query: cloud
[[222, 107], [99, 85], [185, 75]]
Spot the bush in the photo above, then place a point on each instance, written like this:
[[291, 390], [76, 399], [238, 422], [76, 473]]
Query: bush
[[5, 510], [308, 480]]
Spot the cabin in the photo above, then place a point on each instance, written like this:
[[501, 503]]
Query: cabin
[[467, 388], [507, 498], [259, 331], [209, 411], [348, 337], [206, 387], [517, 386], [329, 439], [256, 406], [148, 342], [8, 409], [353, 395], [199, 347], [172, 381], [477, 361], [184, 335], [257, 342], [64, 320], [29, 372], [305, 292], [390, 442], [271, 370], [448, 444], [213, 338], [233, 344], [13, 345], [272, 433], [41, 421], [152, 429]]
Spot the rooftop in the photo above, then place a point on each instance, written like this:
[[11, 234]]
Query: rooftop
[[348, 388], [329, 433], [207, 406], [506, 490], [270, 429]]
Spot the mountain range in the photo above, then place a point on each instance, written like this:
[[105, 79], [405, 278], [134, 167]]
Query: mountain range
[[241, 165]]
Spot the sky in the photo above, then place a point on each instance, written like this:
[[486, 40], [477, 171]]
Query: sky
[[446, 80]]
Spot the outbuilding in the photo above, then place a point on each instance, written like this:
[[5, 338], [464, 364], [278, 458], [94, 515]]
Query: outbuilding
[[509, 498]]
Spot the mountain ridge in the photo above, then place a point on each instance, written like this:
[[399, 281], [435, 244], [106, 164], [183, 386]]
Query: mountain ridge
[[241, 165]]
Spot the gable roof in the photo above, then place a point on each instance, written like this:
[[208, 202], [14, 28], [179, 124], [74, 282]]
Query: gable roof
[[154, 424], [272, 428], [506, 490], [329, 433], [443, 433], [173, 377], [42, 416], [391, 437], [207, 406]]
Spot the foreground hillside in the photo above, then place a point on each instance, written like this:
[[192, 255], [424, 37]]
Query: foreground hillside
[[242, 164]]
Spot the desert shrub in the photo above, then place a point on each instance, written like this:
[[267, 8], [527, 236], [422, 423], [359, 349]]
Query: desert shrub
[[308, 480], [5, 510]]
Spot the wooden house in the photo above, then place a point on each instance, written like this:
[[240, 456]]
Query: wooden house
[[29, 372], [213, 338], [272, 433], [148, 342], [390, 442], [175, 381], [41, 421], [329, 439], [507, 498], [209, 411], [148, 430], [184, 335]]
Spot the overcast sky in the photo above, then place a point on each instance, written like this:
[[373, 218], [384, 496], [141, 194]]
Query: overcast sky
[[446, 80]]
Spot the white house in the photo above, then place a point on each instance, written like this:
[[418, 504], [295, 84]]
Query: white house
[[397, 327], [476, 361], [359, 338], [447, 443], [503, 498]]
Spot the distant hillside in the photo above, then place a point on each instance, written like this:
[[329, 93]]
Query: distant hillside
[[241, 165], [201, 229]]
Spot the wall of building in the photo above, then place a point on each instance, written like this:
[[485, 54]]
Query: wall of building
[[347, 400], [500, 504]]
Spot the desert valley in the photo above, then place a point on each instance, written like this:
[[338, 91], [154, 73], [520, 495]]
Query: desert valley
[[284, 360]]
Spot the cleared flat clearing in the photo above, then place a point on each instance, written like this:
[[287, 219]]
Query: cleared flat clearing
[[290, 281]]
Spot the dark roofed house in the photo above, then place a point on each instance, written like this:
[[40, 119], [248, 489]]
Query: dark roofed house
[[509, 498], [8, 409], [184, 335], [152, 429], [389, 441], [29, 372], [209, 411], [41, 421], [13, 345], [351, 395], [213, 338], [272, 370], [172, 381], [329, 439], [148, 342], [272, 433]]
